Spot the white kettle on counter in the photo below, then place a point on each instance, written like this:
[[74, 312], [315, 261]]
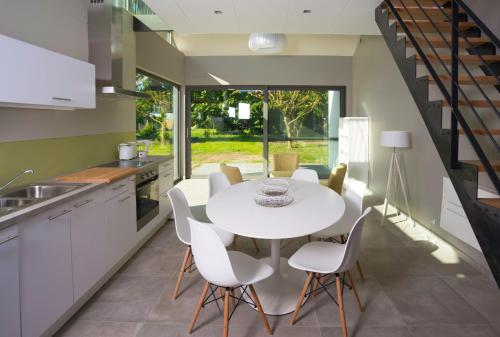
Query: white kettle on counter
[[127, 151]]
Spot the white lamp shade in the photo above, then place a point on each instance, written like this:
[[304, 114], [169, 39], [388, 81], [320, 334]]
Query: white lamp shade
[[266, 42], [399, 139]]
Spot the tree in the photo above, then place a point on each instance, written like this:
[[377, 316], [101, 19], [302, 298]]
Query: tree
[[295, 106], [156, 109]]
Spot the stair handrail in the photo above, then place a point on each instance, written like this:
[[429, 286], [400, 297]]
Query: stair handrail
[[454, 80], [456, 113]]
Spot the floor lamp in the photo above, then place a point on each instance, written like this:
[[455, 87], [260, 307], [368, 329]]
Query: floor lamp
[[395, 139]]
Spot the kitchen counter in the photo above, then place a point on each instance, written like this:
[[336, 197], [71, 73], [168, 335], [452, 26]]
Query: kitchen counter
[[12, 218]]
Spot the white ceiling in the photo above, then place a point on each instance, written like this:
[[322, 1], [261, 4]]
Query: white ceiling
[[276, 16]]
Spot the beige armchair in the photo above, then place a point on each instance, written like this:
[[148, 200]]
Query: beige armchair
[[336, 178], [284, 164], [232, 173]]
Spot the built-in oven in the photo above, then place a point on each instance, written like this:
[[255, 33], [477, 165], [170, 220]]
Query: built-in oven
[[147, 197]]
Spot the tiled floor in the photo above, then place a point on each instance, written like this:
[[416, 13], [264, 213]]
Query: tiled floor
[[412, 289]]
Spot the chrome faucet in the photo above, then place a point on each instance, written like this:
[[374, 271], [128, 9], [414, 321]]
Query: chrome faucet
[[17, 177]]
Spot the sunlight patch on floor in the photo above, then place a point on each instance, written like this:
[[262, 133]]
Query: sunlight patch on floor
[[444, 253]]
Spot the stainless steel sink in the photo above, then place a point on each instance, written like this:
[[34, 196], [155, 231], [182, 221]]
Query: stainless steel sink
[[31, 194], [15, 202], [41, 191]]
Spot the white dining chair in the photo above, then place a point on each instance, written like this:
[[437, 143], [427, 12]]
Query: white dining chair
[[321, 259], [217, 182], [181, 214], [304, 174], [353, 198], [226, 271]]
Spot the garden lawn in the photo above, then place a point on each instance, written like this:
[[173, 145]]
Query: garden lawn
[[237, 148]]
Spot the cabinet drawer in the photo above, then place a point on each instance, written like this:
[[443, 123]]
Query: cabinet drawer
[[166, 181], [116, 188]]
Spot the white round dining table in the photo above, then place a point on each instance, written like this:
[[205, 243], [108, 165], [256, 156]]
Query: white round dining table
[[315, 207]]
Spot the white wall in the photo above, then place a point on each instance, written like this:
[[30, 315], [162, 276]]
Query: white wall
[[271, 70], [381, 94]]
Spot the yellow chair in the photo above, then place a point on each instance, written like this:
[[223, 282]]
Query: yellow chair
[[232, 173], [284, 164], [336, 178]]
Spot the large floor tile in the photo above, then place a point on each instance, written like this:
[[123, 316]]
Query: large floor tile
[[480, 292], [367, 331], [99, 329], [454, 331], [428, 301], [378, 310]]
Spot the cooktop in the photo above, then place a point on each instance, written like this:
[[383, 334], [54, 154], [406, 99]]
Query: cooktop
[[126, 163]]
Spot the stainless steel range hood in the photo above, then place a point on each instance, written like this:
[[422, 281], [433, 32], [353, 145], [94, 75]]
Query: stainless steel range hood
[[112, 50]]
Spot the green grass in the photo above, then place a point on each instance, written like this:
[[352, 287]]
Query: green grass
[[209, 147]]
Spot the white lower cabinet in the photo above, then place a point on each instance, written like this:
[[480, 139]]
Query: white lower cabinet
[[121, 225], [166, 183], [89, 240], [46, 272], [10, 322]]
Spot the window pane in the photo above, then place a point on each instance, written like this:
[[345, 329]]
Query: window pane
[[157, 117], [306, 122]]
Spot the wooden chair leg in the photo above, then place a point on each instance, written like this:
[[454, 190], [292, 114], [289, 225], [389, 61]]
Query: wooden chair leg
[[190, 263], [198, 307], [232, 297], [355, 291], [233, 245], [225, 331], [300, 299], [360, 271], [315, 284], [261, 311], [256, 245], [181, 272], [340, 301]]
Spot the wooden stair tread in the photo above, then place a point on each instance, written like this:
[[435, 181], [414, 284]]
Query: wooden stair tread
[[438, 42], [494, 163], [435, 13], [423, 3], [493, 202], [482, 132], [428, 27], [465, 79], [467, 59], [476, 103]]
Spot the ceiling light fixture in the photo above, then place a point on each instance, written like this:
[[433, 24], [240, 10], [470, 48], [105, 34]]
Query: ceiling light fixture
[[217, 11], [306, 11], [266, 42]]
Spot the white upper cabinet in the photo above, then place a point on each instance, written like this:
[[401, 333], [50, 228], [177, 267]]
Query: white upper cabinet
[[35, 77]]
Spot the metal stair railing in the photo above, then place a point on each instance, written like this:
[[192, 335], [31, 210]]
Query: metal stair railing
[[452, 98]]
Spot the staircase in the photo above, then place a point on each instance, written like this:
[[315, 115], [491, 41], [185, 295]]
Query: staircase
[[454, 55]]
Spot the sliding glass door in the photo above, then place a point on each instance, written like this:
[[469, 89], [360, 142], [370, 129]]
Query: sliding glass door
[[226, 126], [243, 127], [306, 122]]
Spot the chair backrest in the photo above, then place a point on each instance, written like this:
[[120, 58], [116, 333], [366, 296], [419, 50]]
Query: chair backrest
[[217, 181], [353, 199], [232, 173], [181, 213], [306, 175], [336, 178], [210, 255], [284, 161], [353, 245]]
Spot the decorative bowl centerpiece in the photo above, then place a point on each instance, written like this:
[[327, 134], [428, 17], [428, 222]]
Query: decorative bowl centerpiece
[[274, 193]]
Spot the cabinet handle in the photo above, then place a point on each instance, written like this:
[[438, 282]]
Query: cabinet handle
[[65, 99], [66, 211], [83, 203], [122, 200], [118, 187], [8, 238]]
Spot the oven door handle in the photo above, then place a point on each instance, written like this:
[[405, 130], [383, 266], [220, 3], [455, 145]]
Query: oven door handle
[[146, 182]]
